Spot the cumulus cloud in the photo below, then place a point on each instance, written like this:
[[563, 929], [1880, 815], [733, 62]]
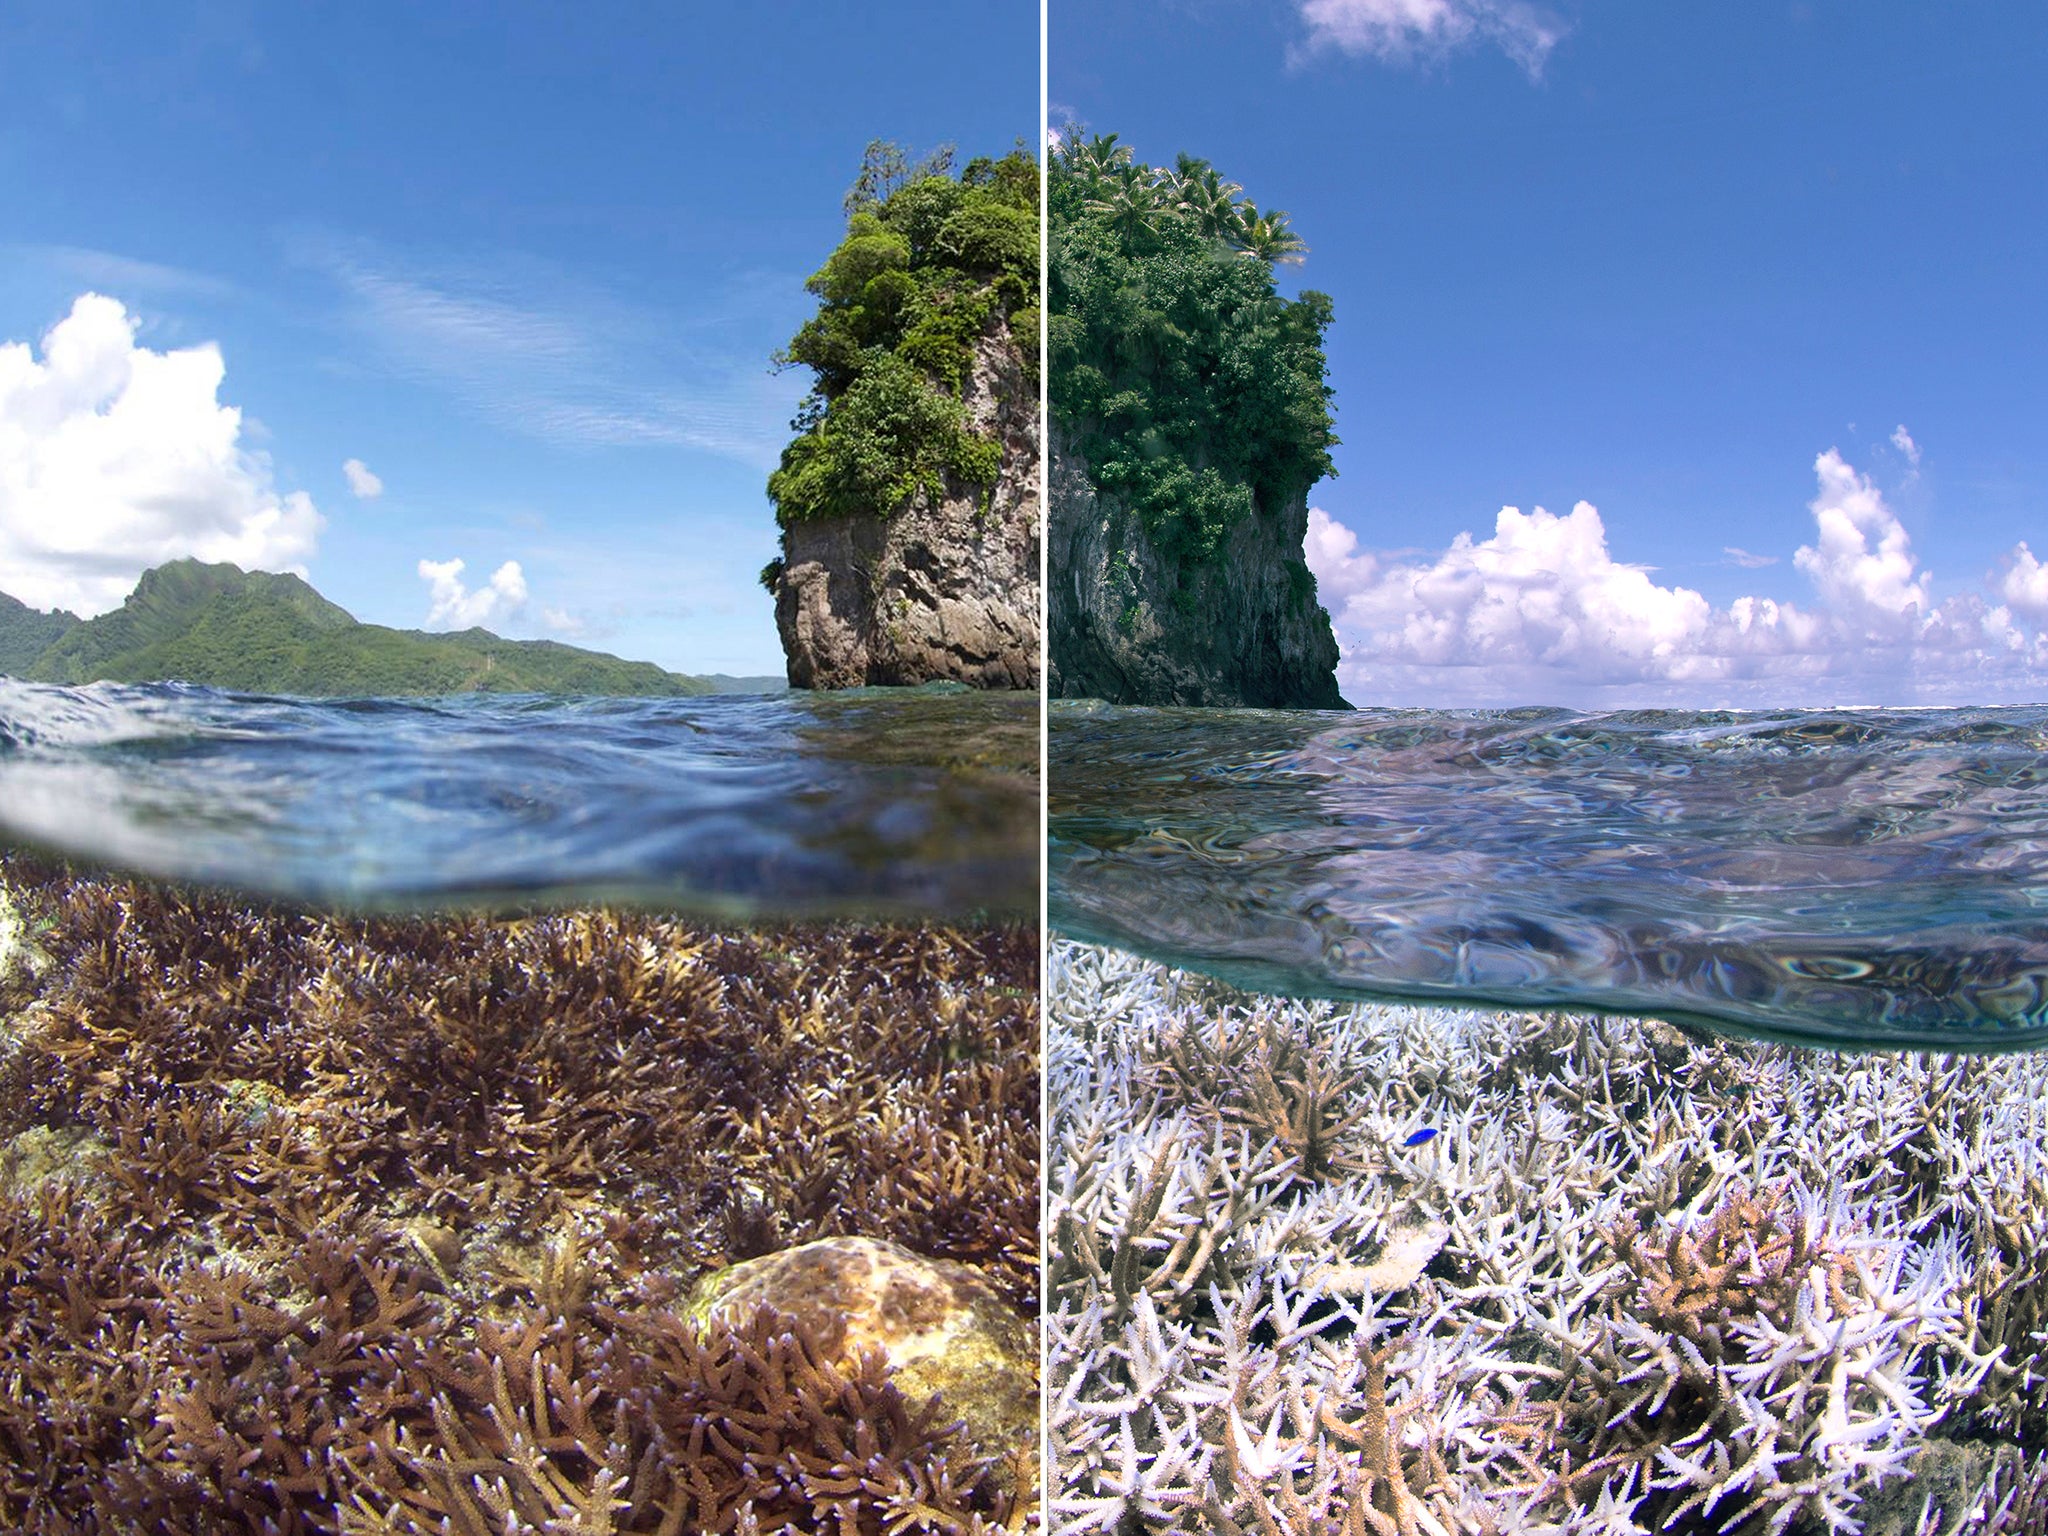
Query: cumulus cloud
[[115, 458], [1342, 570], [452, 605], [2024, 584], [562, 621], [1862, 562], [1542, 591], [366, 485], [1402, 31], [1541, 611]]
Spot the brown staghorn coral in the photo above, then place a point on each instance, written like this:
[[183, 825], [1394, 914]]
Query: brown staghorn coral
[[331, 1224], [637, 1420], [1255, 1074]]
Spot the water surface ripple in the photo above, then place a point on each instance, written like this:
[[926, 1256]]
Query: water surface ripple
[[875, 802], [1859, 878]]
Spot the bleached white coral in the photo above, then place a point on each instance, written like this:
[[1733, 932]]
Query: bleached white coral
[[1664, 1277]]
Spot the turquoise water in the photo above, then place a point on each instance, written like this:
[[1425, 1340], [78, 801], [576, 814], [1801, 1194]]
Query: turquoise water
[[1859, 878], [882, 802]]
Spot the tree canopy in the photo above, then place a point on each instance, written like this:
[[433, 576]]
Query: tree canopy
[[1196, 392], [929, 263]]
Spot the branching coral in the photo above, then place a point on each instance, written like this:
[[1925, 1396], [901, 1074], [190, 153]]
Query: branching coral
[[1644, 1282], [635, 1420], [320, 1224]]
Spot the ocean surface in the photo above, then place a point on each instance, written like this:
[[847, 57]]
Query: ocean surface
[[876, 802], [1855, 878]]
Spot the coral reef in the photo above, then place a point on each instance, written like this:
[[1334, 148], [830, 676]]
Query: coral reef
[[324, 1224], [1635, 1280]]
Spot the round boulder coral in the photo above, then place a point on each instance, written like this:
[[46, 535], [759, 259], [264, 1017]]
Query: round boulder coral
[[941, 1326]]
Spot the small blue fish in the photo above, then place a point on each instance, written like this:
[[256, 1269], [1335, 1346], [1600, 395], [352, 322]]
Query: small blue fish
[[1427, 1133]]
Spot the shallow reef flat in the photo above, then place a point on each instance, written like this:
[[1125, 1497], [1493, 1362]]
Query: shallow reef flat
[[313, 1223], [1317, 1268]]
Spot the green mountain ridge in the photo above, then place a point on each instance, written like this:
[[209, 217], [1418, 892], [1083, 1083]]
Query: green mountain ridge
[[259, 632], [25, 633]]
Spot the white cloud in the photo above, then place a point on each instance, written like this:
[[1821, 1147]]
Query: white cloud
[[366, 485], [2024, 584], [561, 621], [115, 458], [1542, 591], [1332, 552], [451, 605], [105, 271], [1746, 560], [1903, 441], [1542, 612], [1401, 31], [1862, 562]]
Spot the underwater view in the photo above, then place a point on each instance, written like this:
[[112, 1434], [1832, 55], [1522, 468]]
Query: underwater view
[[1413, 1165], [1320, 1267], [585, 1219]]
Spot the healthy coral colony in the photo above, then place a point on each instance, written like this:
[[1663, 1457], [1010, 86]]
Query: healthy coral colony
[[1322, 1268], [579, 1222]]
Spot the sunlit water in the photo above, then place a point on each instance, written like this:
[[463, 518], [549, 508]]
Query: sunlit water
[[880, 802], [1858, 878]]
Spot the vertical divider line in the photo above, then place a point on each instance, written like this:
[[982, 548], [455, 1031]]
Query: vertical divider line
[[1045, 1468]]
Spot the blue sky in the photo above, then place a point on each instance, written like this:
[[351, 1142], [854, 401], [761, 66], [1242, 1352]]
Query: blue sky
[[523, 264], [1692, 266]]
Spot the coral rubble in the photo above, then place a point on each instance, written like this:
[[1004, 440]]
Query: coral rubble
[[324, 1224], [1635, 1281]]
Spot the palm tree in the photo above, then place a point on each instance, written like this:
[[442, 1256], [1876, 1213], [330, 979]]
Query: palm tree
[[1207, 198], [1097, 159], [1266, 235], [1129, 198]]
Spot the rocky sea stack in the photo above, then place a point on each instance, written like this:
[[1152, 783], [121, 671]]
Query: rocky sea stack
[[909, 500], [1134, 624], [1190, 418]]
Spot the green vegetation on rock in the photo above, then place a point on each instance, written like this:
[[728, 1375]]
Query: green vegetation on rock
[[1193, 389], [930, 265], [25, 632], [223, 627]]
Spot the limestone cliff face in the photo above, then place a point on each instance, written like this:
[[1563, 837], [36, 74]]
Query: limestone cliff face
[[944, 590], [1243, 629]]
